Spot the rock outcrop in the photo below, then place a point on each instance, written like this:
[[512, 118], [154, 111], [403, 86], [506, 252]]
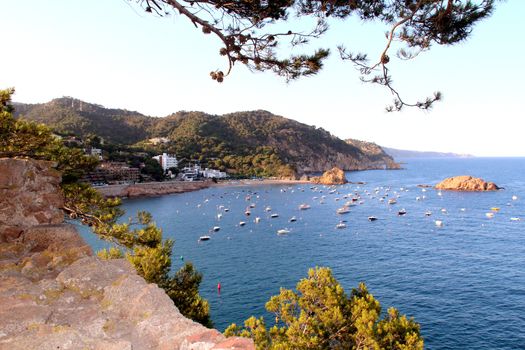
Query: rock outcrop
[[466, 183], [54, 294], [335, 176]]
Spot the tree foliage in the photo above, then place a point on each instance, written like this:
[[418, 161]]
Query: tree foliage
[[320, 315], [255, 32], [140, 239]]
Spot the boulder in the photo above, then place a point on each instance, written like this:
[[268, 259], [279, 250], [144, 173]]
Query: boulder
[[466, 183], [335, 176]]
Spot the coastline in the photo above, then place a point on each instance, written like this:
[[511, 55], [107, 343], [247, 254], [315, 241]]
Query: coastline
[[151, 189]]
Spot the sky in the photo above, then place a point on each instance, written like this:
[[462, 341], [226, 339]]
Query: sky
[[111, 53]]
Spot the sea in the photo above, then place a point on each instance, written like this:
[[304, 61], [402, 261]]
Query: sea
[[463, 281]]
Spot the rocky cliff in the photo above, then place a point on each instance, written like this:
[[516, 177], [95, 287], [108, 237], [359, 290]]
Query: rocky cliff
[[54, 294]]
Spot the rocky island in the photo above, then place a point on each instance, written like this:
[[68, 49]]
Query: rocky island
[[466, 183], [334, 176]]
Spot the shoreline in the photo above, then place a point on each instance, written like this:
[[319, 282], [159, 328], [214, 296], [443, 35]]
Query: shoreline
[[153, 189]]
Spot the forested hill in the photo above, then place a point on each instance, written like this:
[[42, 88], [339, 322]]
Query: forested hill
[[238, 140], [70, 115]]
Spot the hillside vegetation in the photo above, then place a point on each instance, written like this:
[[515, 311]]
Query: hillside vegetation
[[255, 143]]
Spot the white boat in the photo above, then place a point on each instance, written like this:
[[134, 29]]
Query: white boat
[[372, 218], [401, 212], [247, 212], [439, 223], [340, 225], [219, 216], [252, 205], [283, 231], [514, 198], [242, 223], [226, 210], [293, 219], [343, 210], [257, 220], [204, 238], [392, 201], [274, 215], [304, 206], [216, 228], [428, 213], [489, 215], [515, 219], [268, 208]]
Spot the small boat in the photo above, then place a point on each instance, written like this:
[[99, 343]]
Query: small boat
[[274, 215], [252, 205], [515, 219], [495, 209], [257, 220], [216, 228], [247, 213], [428, 213], [443, 210], [204, 238], [489, 215], [392, 201], [401, 212], [219, 216], [268, 208], [343, 210], [242, 223], [293, 219], [514, 198], [226, 210], [439, 193], [439, 223], [372, 218], [304, 206], [283, 231], [340, 225]]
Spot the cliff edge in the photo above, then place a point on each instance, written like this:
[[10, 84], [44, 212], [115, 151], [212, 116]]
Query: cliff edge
[[54, 294]]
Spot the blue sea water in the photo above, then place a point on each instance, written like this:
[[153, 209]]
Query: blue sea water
[[463, 282]]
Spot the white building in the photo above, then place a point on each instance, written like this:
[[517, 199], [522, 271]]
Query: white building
[[214, 173], [167, 161], [95, 152]]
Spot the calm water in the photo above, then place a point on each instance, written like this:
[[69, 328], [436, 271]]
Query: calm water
[[464, 282]]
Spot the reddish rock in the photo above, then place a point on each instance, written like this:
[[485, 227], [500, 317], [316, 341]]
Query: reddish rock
[[29, 195], [335, 176], [466, 183]]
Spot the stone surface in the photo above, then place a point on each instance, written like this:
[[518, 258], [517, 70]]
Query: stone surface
[[466, 183], [335, 176], [54, 294], [29, 196]]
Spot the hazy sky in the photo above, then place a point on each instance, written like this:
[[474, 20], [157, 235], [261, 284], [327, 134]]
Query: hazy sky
[[111, 53]]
